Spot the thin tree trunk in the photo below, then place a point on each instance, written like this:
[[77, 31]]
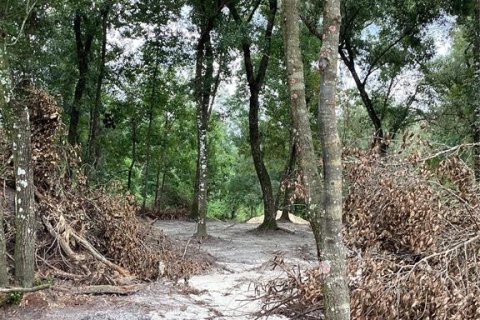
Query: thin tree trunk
[[333, 252], [194, 212], [83, 52], [307, 159], [379, 135], [288, 174], [202, 181], [159, 189], [149, 138], [93, 147], [476, 86], [134, 153], [278, 204], [255, 83], [24, 198], [3, 248], [205, 90], [4, 89]]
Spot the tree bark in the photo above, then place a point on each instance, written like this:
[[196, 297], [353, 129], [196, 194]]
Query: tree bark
[[476, 88], [203, 79], [255, 83], [205, 90], [332, 250], [134, 153], [307, 159], [160, 188], [3, 248], [149, 137], [93, 147], [288, 175], [24, 197], [4, 99], [83, 52]]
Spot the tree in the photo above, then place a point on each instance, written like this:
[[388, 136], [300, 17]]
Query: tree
[[4, 88], [300, 115], [206, 85], [476, 84], [378, 45], [95, 110], [332, 250], [24, 197], [83, 48], [255, 80]]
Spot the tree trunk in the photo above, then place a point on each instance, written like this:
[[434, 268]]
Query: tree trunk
[[205, 90], [160, 188], [204, 81], [255, 83], [332, 250], [379, 135], [3, 248], [83, 52], [476, 86], [149, 138], [202, 181], [4, 92], [93, 147], [194, 212], [305, 150], [269, 221], [288, 175], [24, 198], [134, 153]]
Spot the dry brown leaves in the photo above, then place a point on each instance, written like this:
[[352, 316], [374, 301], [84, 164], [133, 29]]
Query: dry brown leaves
[[412, 225], [87, 224]]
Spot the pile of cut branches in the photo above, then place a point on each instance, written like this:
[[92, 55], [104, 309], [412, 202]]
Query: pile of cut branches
[[89, 236], [412, 226]]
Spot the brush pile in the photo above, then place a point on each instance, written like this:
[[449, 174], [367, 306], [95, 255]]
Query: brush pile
[[412, 227], [89, 236]]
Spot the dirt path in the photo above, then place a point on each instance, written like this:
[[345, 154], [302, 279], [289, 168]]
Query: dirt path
[[225, 293]]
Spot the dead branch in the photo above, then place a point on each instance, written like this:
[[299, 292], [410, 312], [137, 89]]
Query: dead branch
[[102, 289], [98, 256], [20, 289]]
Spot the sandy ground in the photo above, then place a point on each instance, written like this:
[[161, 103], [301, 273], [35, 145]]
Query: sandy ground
[[224, 293]]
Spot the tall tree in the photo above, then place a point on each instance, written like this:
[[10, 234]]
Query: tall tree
[[300, 115], [379, 44], [206, 84], [148, 143], [83, 48], [24, 198], [256, 79], [332, 250], [95, 110], [4, 88]]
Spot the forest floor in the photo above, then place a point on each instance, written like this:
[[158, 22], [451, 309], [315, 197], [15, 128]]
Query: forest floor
[[227, 292]]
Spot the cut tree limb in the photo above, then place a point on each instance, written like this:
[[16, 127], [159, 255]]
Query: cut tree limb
[[102, 289], [98, 256], [66, 247], [20, 289]]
